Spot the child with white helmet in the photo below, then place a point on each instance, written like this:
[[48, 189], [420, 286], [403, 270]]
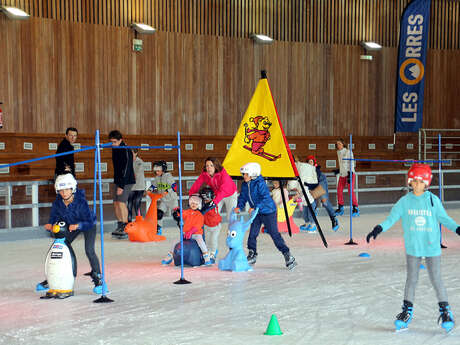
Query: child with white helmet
[[254, 191], [71, 207], [192, 228], [165, 185], [420, 212]]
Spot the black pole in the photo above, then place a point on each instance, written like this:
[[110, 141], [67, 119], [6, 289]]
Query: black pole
[[312, 212], [285, 208]]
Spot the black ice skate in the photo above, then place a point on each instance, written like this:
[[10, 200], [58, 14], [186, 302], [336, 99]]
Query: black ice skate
[[445, 316], [119, 232], [404, 317], [290, 260], [252, 257]]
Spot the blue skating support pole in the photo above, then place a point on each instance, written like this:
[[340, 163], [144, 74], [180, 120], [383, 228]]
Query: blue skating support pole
[[103, 298], [95, 183], [181, 280], [440, 183], [350, 192]]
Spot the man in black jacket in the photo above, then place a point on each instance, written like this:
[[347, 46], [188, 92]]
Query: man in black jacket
[[123, 178], [66, 164]]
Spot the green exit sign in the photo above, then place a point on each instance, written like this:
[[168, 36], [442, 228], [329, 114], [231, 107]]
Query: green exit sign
[[137, 45]]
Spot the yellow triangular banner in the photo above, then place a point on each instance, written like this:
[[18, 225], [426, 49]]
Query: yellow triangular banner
[[260, 138]]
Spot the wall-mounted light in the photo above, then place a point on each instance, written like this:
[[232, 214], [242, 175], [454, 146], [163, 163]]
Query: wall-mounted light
[[262, 39], [142, 28], [370, 46], [14, 12]]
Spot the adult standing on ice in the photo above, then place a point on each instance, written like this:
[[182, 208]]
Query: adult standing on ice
[[215, 176], [421, 212]]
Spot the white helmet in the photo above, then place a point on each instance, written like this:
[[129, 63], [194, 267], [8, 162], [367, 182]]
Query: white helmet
[[195, 199], [66, 181], [252, 169]]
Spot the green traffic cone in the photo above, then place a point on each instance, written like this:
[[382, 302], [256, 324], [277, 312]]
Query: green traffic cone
[[273, 327]]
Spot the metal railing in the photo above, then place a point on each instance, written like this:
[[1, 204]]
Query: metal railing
[[363, 193]]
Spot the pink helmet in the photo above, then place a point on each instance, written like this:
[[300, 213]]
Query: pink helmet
[[420, 172]]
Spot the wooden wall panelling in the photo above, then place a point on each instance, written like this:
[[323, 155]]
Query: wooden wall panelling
[[329, 22]]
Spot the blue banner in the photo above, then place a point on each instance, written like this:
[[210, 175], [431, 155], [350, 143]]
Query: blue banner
[[411, 66]]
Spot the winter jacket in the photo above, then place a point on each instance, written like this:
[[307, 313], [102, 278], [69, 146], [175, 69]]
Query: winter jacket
[[67, 160], [138, 167], [193, 219], [221, 183], [77, 212], [166, 183], [123, 172], [256, 193], [420, 217], [344, 165]]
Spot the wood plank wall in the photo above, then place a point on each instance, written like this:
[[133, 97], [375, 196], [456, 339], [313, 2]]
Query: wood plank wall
[[71, 72], [317, 21], [56, 74]]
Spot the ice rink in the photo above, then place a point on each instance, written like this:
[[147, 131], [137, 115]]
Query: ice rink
[[333, 296]]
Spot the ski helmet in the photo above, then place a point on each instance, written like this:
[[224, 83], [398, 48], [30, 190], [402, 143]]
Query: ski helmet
[[420, 172], [207, 193], [194, 199], [252, 169], [160, 165], [66, 181]]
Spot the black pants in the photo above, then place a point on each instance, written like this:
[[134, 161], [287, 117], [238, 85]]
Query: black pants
[[134, 201], [90, 238]]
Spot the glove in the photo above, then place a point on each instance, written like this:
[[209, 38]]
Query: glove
[[336, 171], [188, 234], [176, 215], [207, 207], [458, 231], [374, 233]]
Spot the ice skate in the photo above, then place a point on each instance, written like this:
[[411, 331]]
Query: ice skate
[[290, 260], [252, 257], [207, 259], [355, 212], [305, 228], [49, 295], [43, 286], [119, 232], [335, 224], [97, 282], [159, 230], [404, 318], [339, 211], [445, 317], [312, 229], [168, 259]]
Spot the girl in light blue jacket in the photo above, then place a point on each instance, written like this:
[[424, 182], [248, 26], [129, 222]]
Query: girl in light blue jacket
[[420, 212]]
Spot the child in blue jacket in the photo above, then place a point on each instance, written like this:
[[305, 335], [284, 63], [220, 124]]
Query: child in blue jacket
[[255, 191], [71, 206], [420, 212]]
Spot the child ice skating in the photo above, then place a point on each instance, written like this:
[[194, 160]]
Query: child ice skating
[[72, 208], [192, 229], [212, 221], [254, 191], [345, 178], [164, 184], [420, 212]]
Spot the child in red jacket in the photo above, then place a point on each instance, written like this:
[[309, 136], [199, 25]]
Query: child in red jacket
[[212, 220], [192, 229]]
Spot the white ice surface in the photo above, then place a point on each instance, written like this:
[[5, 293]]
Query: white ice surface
[[332, 297]]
